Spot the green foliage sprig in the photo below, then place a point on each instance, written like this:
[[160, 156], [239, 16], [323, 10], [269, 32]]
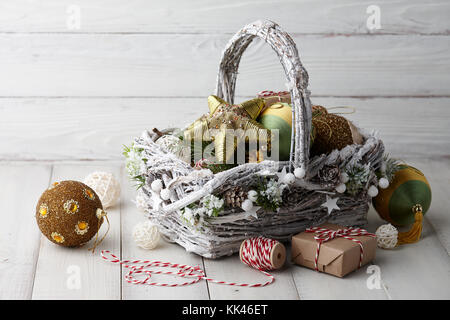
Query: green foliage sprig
[[269, 194], [358, 175], [389, 167], [209, 206], [133, 164]]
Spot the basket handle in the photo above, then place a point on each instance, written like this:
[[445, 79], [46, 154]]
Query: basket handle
[[296, 75]]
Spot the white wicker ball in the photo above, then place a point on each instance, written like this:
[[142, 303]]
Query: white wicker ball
[[105, 186], [146, 235], [383, 183], [341, 188], [344, 177], [373, 191], [289, 178], [141, 204], [386, 236], [165, 194], [252, 195], [247, 205], [299, 173], [156, 185]]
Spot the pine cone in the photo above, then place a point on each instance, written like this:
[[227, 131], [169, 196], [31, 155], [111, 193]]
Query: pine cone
[[234, 197], [329, 174]]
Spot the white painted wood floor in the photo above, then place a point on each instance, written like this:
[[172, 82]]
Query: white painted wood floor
[[71, 97], [31, 267]]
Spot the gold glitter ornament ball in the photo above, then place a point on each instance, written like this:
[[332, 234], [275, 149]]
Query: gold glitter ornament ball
[[318, 110], [66, 213], [333, 132]]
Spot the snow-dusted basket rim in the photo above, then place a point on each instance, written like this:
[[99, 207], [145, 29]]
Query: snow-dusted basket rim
[[297, 80], [296, 76], [302, 206]]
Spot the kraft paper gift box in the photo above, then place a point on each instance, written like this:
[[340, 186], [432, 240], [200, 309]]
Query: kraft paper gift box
[[338, 256]]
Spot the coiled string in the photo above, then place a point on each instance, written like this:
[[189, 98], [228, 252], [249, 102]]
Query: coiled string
[[255, 252]]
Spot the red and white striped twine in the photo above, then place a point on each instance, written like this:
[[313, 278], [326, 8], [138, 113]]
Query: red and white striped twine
[[268, 93], [323, 235], [255, 253], [200, 164]]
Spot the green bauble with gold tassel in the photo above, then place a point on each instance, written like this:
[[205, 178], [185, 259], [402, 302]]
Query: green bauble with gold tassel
[[404, 202]]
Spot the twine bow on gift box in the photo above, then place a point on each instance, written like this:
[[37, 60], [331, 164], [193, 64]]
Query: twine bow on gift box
[[323, 235]]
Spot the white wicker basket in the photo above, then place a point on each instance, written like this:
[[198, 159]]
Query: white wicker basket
[[301, 208]]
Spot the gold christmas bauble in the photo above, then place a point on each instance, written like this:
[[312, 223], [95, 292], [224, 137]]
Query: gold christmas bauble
[[69, 213], [318, 110], [333, 132]]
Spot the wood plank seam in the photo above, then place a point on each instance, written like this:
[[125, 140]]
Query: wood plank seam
[[125, 33], [297, 290], [437, 235], [121, 202], [40, 239], [206, 274], [362, 97]]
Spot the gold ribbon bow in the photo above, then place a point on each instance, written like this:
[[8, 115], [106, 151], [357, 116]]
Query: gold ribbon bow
[[229, 125]]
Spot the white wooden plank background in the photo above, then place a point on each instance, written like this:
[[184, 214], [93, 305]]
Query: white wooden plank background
[[96, 129], [20, 238], [70, 98], [142, 65], [222, 16]]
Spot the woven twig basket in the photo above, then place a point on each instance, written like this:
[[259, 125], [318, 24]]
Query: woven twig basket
[[301, 207]]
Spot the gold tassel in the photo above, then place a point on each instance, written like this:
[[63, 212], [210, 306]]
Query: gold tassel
[[413, 235], [100, 215]]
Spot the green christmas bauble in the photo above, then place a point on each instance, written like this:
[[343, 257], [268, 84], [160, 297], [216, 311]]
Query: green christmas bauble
[[408, 188], [279, 116]]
